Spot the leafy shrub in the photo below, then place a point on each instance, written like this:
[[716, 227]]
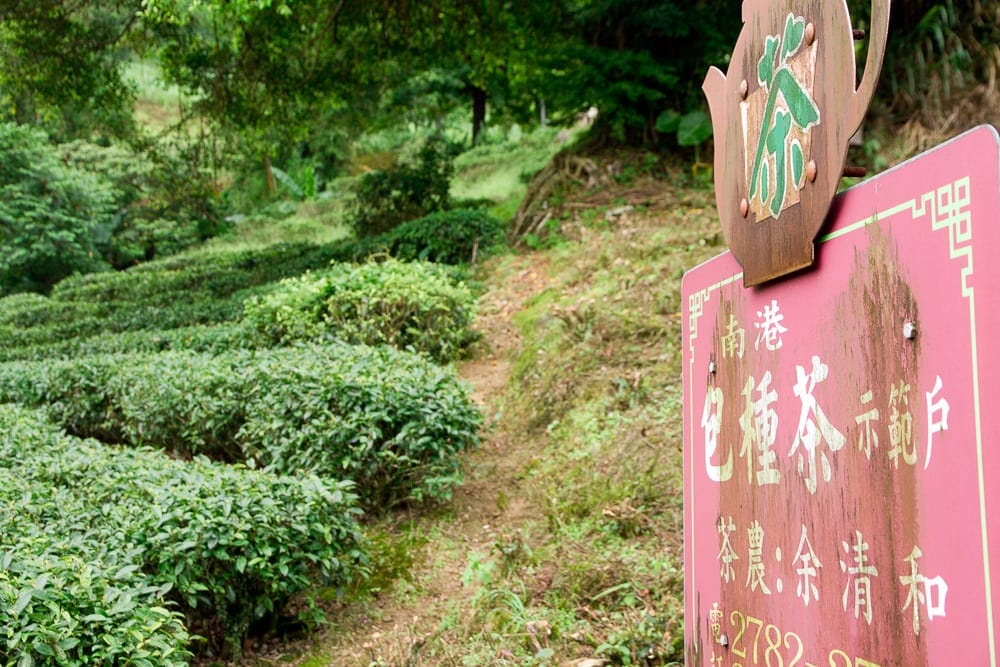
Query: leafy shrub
[[291, 312], [180, 292], [219, 274], [165, 199], [29, 309], [67, 610], [359, 250], [54, 219], [196, 338], [196, 289], [192, 290], [416, 306], [447, 237], [62, 322], [228, 545], [389, 420], [408, 190]]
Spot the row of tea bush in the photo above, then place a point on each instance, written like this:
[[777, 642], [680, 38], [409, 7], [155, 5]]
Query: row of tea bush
[[389, 420], [113, 556], [31, 320], [419, 306], [123, 555], [212, 338], [414, 306], [450, 237]]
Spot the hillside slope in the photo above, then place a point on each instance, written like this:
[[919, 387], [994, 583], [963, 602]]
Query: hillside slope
[[564, 546]]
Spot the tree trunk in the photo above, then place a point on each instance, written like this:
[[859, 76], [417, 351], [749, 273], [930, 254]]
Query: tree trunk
[[478, 112], [269, 175], [541, 112]]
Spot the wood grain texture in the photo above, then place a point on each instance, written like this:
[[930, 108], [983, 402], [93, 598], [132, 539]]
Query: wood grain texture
[[769, 245]]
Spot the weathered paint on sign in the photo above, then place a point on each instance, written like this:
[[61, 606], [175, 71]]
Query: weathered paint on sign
[[783, 116], [842, 434]]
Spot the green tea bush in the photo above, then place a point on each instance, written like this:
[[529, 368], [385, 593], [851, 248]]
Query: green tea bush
[[216, 274], [447, 237], [359, 250], [14, 335], [227, 545], [63, 321], [67, 610], [214, 338], [405, 191], [391, 421], [415, 306], [29, 309]]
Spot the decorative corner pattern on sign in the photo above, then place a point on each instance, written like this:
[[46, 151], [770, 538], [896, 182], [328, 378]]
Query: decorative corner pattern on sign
[[696, 308], [950, 210]]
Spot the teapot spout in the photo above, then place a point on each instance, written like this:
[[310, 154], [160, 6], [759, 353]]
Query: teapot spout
[[715, 91], [714, 88]]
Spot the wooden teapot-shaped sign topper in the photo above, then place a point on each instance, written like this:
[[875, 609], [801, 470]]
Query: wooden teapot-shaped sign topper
[[783, 117]]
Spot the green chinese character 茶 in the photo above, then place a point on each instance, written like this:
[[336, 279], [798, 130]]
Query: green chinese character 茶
[[777, 79]]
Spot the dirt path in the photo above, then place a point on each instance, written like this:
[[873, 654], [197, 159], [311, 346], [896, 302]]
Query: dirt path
[[394, 628]]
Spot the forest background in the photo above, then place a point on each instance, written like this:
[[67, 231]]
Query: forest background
[[302, 84]]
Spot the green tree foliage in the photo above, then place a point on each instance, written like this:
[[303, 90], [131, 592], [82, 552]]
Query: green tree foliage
[[408, 190], [164, 197], [243, 61], [54, 219], [80, 207], [634, 59], [935, 51], [492, 47], [62, 64], [295, 78], [263, 72]]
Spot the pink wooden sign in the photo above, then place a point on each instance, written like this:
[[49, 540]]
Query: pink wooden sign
[[842, 434]]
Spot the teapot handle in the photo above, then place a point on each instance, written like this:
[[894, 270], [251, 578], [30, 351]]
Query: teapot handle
[[878, 36]]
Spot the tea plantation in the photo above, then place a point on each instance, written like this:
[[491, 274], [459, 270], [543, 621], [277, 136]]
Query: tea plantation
[[188, 446]]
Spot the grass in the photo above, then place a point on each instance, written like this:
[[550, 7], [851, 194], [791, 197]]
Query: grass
[[316, 220], [500, 171], [598, 384], [157, 104]]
